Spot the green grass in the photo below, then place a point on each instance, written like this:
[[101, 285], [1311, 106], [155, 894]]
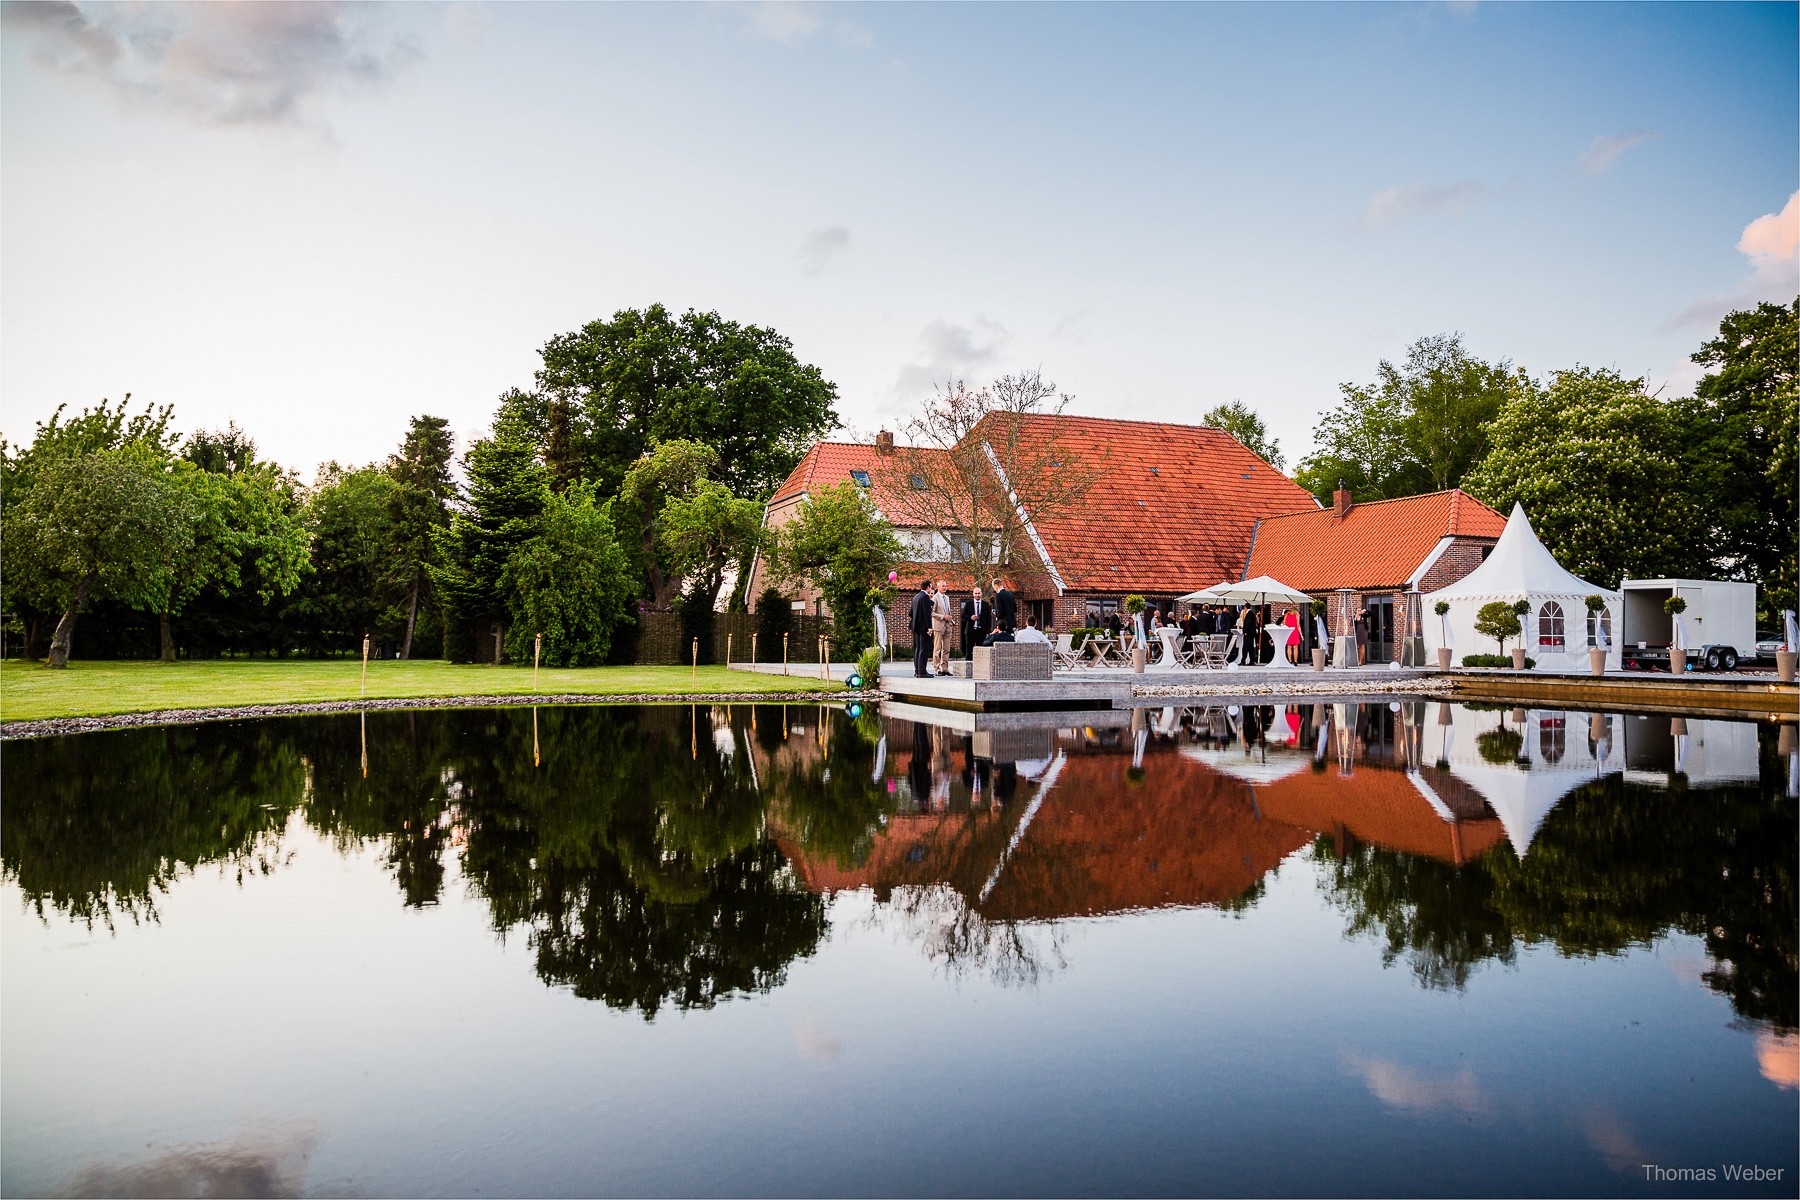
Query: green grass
[[32, 692]]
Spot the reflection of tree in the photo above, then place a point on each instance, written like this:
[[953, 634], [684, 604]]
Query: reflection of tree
[[952, 931], [831, 806], [1616, 864], [101, 823]]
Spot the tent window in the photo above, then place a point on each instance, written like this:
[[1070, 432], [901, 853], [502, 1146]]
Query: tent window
[[1550, 627], [1553, 739], [1595, 623]]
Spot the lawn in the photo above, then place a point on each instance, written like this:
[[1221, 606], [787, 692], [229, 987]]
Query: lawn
[[31, 691]]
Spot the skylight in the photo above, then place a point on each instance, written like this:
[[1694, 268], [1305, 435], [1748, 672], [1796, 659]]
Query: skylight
[[861, 477]]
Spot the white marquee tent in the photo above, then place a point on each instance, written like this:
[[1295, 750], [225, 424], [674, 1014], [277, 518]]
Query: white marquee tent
[[1519, 568]]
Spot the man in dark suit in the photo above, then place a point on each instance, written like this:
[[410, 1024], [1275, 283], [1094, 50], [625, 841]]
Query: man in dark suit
[[977, 622], [1006, 606], [920, 622]]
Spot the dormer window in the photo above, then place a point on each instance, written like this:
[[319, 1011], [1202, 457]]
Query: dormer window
[[918, 483], [861, 477]]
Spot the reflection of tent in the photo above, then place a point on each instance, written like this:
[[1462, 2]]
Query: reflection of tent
[[1259, 768], [1519, 568], [1520, 798]]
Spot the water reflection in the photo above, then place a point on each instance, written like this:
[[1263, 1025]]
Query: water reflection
[[678, 855]]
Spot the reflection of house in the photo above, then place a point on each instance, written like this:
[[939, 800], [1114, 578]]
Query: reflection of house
[[1372, 554], [1172, 510], [1413, 812]]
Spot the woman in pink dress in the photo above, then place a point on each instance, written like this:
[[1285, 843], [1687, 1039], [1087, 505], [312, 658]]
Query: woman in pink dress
[[1292, 621]]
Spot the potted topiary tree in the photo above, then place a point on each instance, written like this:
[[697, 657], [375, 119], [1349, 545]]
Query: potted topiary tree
[[1442, 609], [1596, 606], [1675, 606], [1140, 653], [1520, 608], [1498, 621]]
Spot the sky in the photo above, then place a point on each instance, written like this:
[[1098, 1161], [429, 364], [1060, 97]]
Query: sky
[[318, 220]]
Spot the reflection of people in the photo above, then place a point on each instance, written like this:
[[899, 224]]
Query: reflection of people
[[940, 628], [919, 621], [918, 772]]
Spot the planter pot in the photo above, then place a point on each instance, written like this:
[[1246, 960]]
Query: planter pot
[[1784, 665], [1678, 727], [1597, 727], [1787, 741], [1518, 657], [1597, 662], [1677, 659], [1139, 656], [1318, 657], [1443, 658]]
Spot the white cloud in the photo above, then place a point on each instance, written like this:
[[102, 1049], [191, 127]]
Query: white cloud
[[215, 64], [791, 21], [821, 247], [1772, 244], [950, 352], [1408, 1090], [1395, 204], [1603, 152]]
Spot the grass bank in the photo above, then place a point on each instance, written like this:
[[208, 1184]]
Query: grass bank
[[33, 692]]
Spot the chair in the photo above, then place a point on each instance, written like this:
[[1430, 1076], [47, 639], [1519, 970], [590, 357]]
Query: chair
[[1212, 649], [1067, 656]]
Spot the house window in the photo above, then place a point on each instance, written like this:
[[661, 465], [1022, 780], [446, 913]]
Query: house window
[[1596, 623], [918, 483], [1044, 613], [1550, 627], [861, 477]]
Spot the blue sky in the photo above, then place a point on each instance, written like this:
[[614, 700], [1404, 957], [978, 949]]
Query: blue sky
[[320, 220]]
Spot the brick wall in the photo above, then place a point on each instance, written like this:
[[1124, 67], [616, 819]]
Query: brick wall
[[1463, 556]]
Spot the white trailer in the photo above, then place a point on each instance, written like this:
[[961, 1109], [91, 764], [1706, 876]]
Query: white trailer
[[1719, 623]]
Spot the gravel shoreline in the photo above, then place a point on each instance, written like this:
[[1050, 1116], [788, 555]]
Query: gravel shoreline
[[1417, 685], [59, 726]]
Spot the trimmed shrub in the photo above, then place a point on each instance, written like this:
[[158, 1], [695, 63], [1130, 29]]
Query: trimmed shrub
[[1495, 660], [868, 665]]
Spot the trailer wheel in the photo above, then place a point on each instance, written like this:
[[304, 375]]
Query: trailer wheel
[[1729, 660], [1712, 660]]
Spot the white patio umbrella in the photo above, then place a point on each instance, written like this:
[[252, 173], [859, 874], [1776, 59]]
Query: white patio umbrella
[[1203, 596], [1261, 590]]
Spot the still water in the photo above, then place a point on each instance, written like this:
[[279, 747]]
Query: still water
[[1403, 948]]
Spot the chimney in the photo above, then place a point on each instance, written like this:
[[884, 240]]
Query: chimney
[[1340, 500], [884, 443]]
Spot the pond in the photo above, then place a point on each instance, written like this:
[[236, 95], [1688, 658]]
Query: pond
[[1394, 947]]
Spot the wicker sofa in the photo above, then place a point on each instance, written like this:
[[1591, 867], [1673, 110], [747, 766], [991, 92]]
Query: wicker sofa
[[1013, 660]]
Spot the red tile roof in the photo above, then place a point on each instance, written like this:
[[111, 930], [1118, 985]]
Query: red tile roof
[[1171, 512], [828, 464], [1376, 545]]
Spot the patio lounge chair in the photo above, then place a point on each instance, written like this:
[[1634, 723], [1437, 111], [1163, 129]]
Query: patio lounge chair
[[1067, 656]]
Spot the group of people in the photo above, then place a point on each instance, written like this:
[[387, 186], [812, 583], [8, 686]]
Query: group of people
[[934, 618]]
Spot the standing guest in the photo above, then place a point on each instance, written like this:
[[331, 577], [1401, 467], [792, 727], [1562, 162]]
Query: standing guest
[[1362, 636], [1006, 605], [1251, 635], [1292, 621], [919, 621], [940, 628], [978, 621]]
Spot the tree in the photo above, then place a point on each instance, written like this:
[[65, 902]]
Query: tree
[[508, 489], [243, 514], [107, 523], [1746, 436], [1496, 619], [1242, 423], [421, 510], [983, 465], [350, 512], [1420, 427], [841, 545], [1599, 466], [704, 532], [570, 583], [671, 470], [646, 377], [103, 427]]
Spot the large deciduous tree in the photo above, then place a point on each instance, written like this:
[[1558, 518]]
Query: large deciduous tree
[[841, 545], [1746, 414], [1422, 426], [1599, 466], [107, 523], [570, 582], [671, 471], [609, 391]]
